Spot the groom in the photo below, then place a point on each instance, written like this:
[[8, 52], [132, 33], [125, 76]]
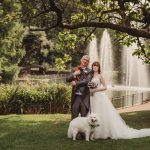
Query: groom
[[80, 100]]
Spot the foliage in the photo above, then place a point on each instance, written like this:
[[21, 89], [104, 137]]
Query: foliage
[[15, 96], [71, 43], [11, 35], [60, 62], [10, 74], [143, 49], [129, 18], [36, 48], [60, 27], [143, 52], [52, 52], [67, 39]]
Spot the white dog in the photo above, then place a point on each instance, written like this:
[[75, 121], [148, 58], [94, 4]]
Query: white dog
[[84, 125]]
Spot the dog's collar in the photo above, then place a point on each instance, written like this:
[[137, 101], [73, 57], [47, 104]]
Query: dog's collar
[[93, 126]]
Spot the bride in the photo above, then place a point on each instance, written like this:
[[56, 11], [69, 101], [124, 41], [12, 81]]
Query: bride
[[112, 125]]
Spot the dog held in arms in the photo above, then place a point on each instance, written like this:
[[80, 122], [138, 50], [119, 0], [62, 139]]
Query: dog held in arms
[[84, 125]]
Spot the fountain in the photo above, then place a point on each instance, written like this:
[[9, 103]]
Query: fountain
[[136, 75], [134, 88], [92, 50], [136, 72], [106, 57]]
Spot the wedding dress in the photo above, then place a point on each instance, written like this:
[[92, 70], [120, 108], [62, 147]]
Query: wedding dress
[[112, 125]]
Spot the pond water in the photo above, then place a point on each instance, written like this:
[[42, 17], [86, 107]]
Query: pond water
[[128, 96]]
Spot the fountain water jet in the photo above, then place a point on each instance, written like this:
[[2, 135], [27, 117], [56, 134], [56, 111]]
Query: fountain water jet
[[92, 50], [136, 72], [106, 56]]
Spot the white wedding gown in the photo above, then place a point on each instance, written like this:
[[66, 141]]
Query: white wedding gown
[[111, 125]]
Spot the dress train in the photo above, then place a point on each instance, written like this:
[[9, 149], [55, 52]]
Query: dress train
[[112, 125]]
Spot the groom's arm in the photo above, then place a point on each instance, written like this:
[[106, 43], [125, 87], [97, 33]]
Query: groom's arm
[[73, 76], [85, 81]]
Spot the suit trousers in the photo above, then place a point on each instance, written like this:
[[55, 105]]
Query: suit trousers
[[78, 107]]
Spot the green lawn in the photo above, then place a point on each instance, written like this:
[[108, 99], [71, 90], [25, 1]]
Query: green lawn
[[48, 132]]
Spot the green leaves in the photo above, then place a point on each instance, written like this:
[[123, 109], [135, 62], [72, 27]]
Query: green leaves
[[13, 96], [77, 18], [60, 63], [124, 39], [11, 35], [10, 74], [141, 55], [66, 40]]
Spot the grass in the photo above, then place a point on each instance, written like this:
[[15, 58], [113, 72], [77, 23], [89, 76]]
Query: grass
[[48, 132]]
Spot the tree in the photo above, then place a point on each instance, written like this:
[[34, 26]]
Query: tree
[[128, 18], [36, 48], [11, 35]]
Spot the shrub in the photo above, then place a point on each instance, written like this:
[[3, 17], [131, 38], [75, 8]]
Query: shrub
[[10, 74], [45, 98]]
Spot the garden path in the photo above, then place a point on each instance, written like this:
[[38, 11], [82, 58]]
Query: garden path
[[142, 107]]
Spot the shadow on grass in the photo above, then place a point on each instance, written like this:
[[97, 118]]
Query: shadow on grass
[[49, 132]]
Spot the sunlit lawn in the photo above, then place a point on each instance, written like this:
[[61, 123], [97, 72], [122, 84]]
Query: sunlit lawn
[[48, 132]]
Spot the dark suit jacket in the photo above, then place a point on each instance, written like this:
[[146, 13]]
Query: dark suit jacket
[[81, 85]]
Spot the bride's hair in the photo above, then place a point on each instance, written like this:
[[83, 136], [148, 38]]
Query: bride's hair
[[96, 63]]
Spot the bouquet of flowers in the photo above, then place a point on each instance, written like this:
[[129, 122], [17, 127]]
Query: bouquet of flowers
[[92, 85]]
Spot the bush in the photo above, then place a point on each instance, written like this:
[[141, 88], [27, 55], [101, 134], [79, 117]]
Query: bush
[[10, 74], [46, 98]]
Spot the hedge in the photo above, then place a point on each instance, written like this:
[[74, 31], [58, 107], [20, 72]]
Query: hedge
[[40, 98]]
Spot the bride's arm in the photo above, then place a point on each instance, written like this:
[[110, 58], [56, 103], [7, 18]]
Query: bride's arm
[[103, 88]]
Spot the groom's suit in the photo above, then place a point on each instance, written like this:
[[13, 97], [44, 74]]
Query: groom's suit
[[80, 99]]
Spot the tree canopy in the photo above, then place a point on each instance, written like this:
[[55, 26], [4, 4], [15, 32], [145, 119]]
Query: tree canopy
[[68, 26], [125, 17]]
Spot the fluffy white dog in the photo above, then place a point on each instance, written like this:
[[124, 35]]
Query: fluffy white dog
[[84, 125]]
